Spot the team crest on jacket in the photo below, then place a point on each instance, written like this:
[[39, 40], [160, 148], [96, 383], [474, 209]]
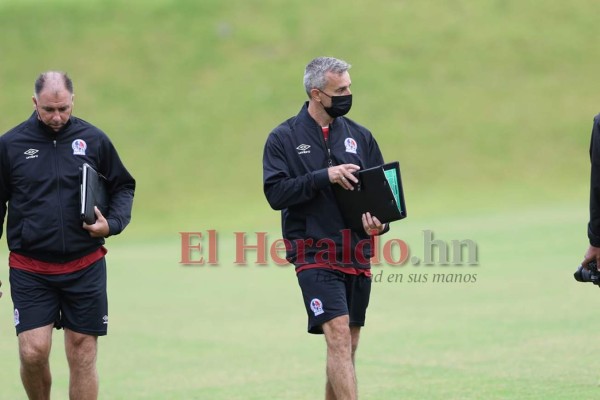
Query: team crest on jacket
[[350, 145], [316, 306], [79, 147]]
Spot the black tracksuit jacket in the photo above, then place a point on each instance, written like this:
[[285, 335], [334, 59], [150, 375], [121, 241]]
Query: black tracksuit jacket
[[594, 224], [296, 181], [40, 183]]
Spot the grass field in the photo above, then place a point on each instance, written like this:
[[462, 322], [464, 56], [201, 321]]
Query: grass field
[[523, 330], [487, 105]]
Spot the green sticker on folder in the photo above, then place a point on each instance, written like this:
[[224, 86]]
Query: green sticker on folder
[[392, 179]]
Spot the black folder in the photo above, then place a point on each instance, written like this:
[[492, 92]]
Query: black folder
[[93, 193], [378, 191]]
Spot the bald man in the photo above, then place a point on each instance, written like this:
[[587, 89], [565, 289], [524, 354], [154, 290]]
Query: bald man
[[57, 268]]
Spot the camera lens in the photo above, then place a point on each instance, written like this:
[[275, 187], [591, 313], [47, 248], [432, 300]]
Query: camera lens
[[582, 275]]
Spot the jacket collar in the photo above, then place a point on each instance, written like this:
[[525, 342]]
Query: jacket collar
[[305, 118], [35, 122]]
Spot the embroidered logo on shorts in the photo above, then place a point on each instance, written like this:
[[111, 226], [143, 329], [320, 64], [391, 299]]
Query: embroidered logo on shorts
[[79, 147], [316, 306], [17, 322], [351, 145], [105, 320]]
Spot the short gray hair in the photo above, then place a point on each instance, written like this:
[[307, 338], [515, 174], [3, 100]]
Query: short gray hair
[[314, 74]]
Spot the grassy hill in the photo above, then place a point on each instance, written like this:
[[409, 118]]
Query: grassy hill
[[485, 104]]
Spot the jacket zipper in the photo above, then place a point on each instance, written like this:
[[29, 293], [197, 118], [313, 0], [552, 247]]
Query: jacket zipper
[[60, 209], [329, 160], [326, 142]]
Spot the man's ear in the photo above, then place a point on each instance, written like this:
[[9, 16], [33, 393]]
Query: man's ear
[[314, 95]]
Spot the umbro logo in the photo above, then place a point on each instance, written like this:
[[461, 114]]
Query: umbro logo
[[303, 149], [31, 153]]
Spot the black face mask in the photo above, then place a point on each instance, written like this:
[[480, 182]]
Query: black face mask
[[340, 105]]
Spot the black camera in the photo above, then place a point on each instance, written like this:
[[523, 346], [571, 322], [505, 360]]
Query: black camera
[[590, 274]]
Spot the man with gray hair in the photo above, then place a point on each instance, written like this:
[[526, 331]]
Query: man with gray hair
[[57, 267], [303, 158]]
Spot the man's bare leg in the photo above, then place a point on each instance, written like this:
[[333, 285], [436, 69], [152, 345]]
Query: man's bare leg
[[34, 353], [341, 378], [81, 352]]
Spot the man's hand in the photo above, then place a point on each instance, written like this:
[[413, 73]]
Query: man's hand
[[342, 175], [100, 227], [592, 254], [372, 225]]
